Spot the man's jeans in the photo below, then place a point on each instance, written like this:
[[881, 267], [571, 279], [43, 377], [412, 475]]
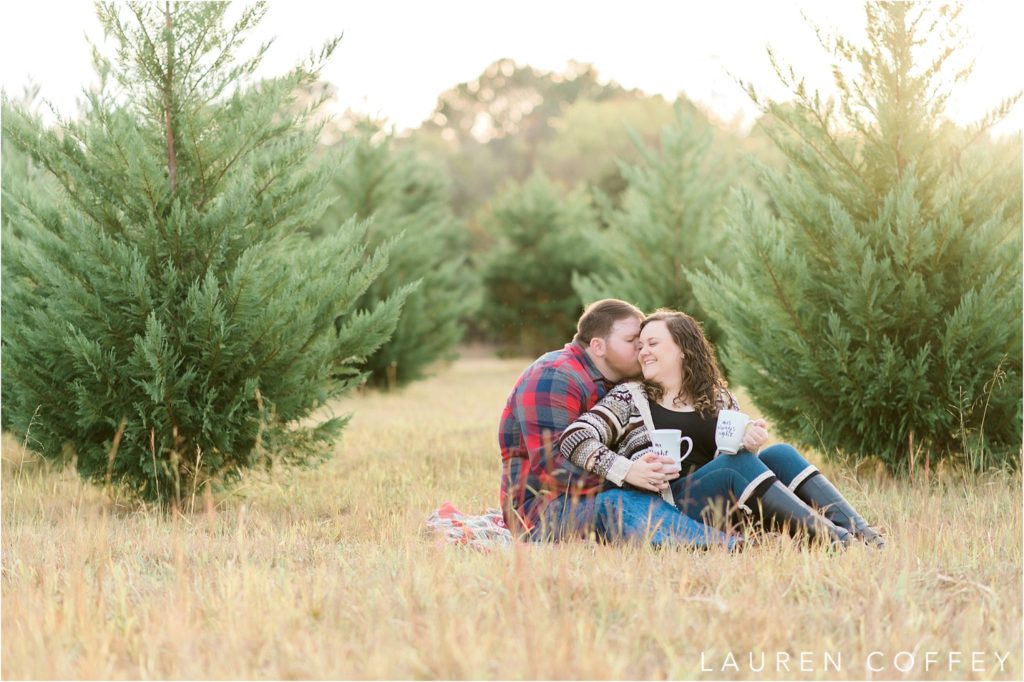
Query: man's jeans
[[625, 515], [565, 518]]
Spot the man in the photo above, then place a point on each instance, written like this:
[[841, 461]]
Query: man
[[540, 490]]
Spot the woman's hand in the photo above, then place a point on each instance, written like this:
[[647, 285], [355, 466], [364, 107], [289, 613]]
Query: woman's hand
[[647, 473], [755, 436]]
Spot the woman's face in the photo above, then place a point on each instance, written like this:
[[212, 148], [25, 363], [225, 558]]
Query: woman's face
[[661, 360]]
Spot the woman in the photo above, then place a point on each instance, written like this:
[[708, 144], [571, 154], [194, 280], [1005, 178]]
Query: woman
[[683, 389]]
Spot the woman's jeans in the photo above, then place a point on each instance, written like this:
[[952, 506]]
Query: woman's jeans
[[731, 480]]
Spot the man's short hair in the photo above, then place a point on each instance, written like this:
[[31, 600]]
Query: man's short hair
[[597, 320]]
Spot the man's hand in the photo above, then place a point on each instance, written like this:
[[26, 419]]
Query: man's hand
[[648, 473]]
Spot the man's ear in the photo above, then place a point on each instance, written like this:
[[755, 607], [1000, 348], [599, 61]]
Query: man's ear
[[597, 346]]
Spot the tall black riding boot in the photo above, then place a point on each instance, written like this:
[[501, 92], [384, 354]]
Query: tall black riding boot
[[779, 507], [819, 492]]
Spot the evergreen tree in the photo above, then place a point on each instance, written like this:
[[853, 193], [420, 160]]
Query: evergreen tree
[[406, 202], [879, 311], [21, 176], [542, 237], [668, 224], [166, 323]]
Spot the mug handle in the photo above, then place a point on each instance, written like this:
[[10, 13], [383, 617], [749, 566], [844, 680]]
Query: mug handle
[[686, 454]]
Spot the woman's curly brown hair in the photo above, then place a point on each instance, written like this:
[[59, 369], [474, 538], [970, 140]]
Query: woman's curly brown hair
[[702, 380]]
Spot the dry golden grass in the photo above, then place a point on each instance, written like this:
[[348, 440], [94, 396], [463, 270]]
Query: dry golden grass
[[325, 573]]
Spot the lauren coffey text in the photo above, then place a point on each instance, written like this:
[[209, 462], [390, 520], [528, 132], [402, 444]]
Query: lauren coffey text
[[874, 662]]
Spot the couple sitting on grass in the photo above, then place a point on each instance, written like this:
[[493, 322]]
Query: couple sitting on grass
[[578, 457]]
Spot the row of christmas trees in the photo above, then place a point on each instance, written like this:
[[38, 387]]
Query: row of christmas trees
[[188, 273]]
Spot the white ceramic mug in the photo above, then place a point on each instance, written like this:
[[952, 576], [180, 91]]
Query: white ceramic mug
[[729, 433], [669, 443]]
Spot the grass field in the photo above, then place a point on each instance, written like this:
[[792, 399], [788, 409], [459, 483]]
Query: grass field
[[326, 573]]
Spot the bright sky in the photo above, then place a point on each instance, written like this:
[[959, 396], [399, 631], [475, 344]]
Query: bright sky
[[397, 57]]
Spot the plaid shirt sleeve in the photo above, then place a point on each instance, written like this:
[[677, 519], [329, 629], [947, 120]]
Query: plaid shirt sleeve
[[544, 406]]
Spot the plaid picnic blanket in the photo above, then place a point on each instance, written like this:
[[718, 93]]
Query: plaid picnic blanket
[[483, 532]]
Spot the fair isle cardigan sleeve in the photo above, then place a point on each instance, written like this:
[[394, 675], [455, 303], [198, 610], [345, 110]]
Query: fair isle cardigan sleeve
[[595, 440]]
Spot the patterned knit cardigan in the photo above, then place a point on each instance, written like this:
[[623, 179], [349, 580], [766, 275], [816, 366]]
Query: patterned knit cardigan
[[615, 432]]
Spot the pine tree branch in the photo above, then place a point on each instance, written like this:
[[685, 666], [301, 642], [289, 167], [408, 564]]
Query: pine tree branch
[[199, 160], [115, 140], [780, 295], [864, 102], [194, 50], [157, 73], [218, 62], [64, 177], [834, 144], [810, 143], [986, 124], [240, 289], [224, 224], [172, 157], [234, 159], [803, 136], [258, 368], [250, 16], [270, 326], [233, 76], [978, 181]]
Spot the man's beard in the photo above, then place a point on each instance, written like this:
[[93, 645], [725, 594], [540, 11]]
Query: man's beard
[[629, 371]]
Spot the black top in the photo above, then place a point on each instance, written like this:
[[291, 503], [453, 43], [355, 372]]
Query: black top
[[700, 429]]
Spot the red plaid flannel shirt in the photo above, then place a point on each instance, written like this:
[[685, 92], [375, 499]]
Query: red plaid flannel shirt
[[549, 395]]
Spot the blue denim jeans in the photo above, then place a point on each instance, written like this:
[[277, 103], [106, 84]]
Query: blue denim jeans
[[565, 518], [731, 479], [789, 465], [625, 515]]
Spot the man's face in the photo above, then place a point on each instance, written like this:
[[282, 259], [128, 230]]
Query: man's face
[[621, 348]]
